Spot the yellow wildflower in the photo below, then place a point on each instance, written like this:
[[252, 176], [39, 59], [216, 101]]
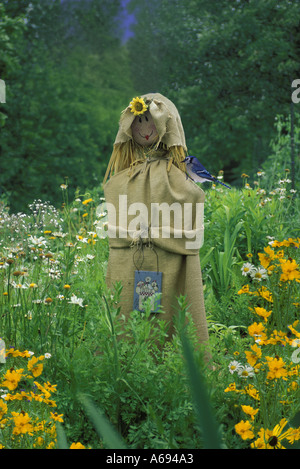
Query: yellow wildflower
[[291, 242], [271, 439], [294, 435], [276, 368], [280, 254], [293, 330], [12, 379], [3, 408], [51, 445], [253, 356], [231, 387], [87, 201], [22, 423], [56, 417], [41, 388], [262, 312], [50, 387], [244, 289], [249, 411], [289, 269], [265, 293], [244, 429], [77, 446], [35, 367], [257, 332], [266, 257], [278, 337], [39, 441], [252, 392]]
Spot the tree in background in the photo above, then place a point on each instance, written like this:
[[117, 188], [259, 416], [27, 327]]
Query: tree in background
[[64, 98], [11, 30], [227, 65]]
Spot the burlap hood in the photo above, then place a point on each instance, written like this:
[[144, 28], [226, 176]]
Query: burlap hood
[[165, 116]]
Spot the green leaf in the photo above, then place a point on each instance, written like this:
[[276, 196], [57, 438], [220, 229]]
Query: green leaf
[[102, 425], [62, 442], [203, 409]]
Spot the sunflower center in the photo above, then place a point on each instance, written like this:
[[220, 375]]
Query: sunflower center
[[273, 441], [138, 106]]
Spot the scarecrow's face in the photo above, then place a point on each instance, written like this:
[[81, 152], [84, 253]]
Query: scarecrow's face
[[143, 129]]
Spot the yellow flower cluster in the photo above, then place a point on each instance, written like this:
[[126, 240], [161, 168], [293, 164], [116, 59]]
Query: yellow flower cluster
[[26, 419], [272, 262], [266, 368], [272, 370], [277, 276], [268, 439]]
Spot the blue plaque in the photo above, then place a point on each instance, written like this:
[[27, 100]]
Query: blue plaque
[[147, 284]]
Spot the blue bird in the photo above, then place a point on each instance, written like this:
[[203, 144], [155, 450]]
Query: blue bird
[[197, 172]]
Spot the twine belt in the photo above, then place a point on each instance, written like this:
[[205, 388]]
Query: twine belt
[[144, 162], [138, 255]]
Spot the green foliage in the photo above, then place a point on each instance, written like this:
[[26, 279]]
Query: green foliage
[[102, 425], [280, 153], [202, 405], [222, 261], [11, 32], [228, 66], [63, 101], [238, 224]]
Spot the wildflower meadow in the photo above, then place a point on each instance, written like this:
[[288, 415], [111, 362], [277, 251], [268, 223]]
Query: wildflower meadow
[[72, 375]]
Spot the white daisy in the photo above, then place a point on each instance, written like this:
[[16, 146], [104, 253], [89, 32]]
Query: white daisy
[[76, 301], [234, 366], [259, 273], [247, 268], [246, 372]]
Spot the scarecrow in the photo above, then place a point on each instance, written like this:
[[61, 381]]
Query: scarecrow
[[155, 227]]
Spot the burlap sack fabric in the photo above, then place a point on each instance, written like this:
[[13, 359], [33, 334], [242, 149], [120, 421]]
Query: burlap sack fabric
[[154, 181], [166, 118]]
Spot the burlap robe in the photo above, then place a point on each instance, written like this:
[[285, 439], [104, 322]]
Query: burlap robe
[[149, 183]]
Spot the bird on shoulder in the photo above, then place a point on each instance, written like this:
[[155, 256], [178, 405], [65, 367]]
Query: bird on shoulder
[[197, 172]]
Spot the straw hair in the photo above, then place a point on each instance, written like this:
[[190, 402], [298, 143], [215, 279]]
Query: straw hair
[[128, 153]]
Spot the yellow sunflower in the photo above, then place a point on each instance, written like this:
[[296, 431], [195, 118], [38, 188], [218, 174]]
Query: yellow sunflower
[[271, 439], [138, 106]]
